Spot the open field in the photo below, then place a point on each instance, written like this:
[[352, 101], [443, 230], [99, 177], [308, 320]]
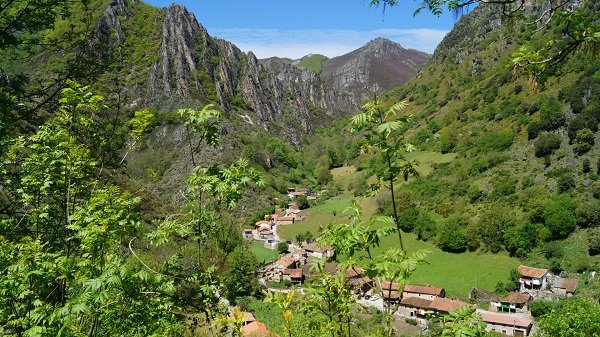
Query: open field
[[263, 254]]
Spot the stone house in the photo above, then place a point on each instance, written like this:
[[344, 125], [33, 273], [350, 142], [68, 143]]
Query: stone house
[[507, 325], [427, 292], [318, 252], [565, 286], [513, 302], [532, 278]]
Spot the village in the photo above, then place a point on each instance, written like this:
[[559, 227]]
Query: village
[[508, 315]]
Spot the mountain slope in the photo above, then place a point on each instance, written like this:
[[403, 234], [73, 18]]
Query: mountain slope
[[526, 175], [379, 65]]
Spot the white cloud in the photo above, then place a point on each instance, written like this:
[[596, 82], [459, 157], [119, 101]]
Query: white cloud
[[297, 43]]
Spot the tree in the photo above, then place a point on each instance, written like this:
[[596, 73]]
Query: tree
[[302, 201], [62, 270], [382, 127], [584, 141], [323, 175], [559, 216], [282, 247], [546, 144], [573, 317]]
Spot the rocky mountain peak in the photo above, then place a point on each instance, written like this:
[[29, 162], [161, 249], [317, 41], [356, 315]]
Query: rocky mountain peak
[[379, 65]]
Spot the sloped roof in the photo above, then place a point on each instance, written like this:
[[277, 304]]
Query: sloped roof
[[410, 288], [255, 328], [354, 272], [506, 320], [294, 273], [286, 261], [569, 284], [531, 272], [515, 298], [314, 248], [386, 285], [248, 317], [416, 302], [446, 304]]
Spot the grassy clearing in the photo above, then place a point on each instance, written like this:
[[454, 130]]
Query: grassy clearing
[[457, 273], [426, 160], [263, 254]]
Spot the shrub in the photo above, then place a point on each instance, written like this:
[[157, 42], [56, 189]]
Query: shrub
[[559, 216], [584, 140], [565, 183], [593, 238], [282, 247], [452, 237], [585, 166], [425, 227], [533, 130], [546, 144], [408, 219], [542, 307], [551, 114]]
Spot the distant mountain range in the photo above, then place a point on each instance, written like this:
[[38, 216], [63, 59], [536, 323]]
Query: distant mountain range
[[378, 66]]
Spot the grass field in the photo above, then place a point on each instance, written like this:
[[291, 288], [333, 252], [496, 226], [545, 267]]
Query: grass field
[[457, 273], [263, 254]]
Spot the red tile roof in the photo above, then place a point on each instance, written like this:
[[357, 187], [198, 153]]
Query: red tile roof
[[294, 273], [286, 261], [515, 298], [506, 320], [416, 302], [248, 317], [445, 304], [409, 288], [354, 272], [255, 328], [386, 285], [531, 272]]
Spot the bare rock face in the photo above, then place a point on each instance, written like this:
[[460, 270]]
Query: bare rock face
[[194, 67], [379, 65]]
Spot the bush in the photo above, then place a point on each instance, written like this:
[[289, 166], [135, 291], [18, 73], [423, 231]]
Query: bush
[[282, 247], [452, 237], [425, 226], [565, 183], [542, 307], [546, 144], [533, 130], [584, 140], [408, 219], [559, 216], [551, 114], [585, 166]]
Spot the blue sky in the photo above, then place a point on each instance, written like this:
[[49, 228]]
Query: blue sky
[[288, 28]]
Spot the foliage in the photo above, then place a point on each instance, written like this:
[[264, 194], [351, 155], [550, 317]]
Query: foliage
[[282, 247], [542, 307], [546, 144], [573, 317], [559, 216], [61, 265], [382, 131], [451, 237]]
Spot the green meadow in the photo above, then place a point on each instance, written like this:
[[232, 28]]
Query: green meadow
[[457, 273]]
